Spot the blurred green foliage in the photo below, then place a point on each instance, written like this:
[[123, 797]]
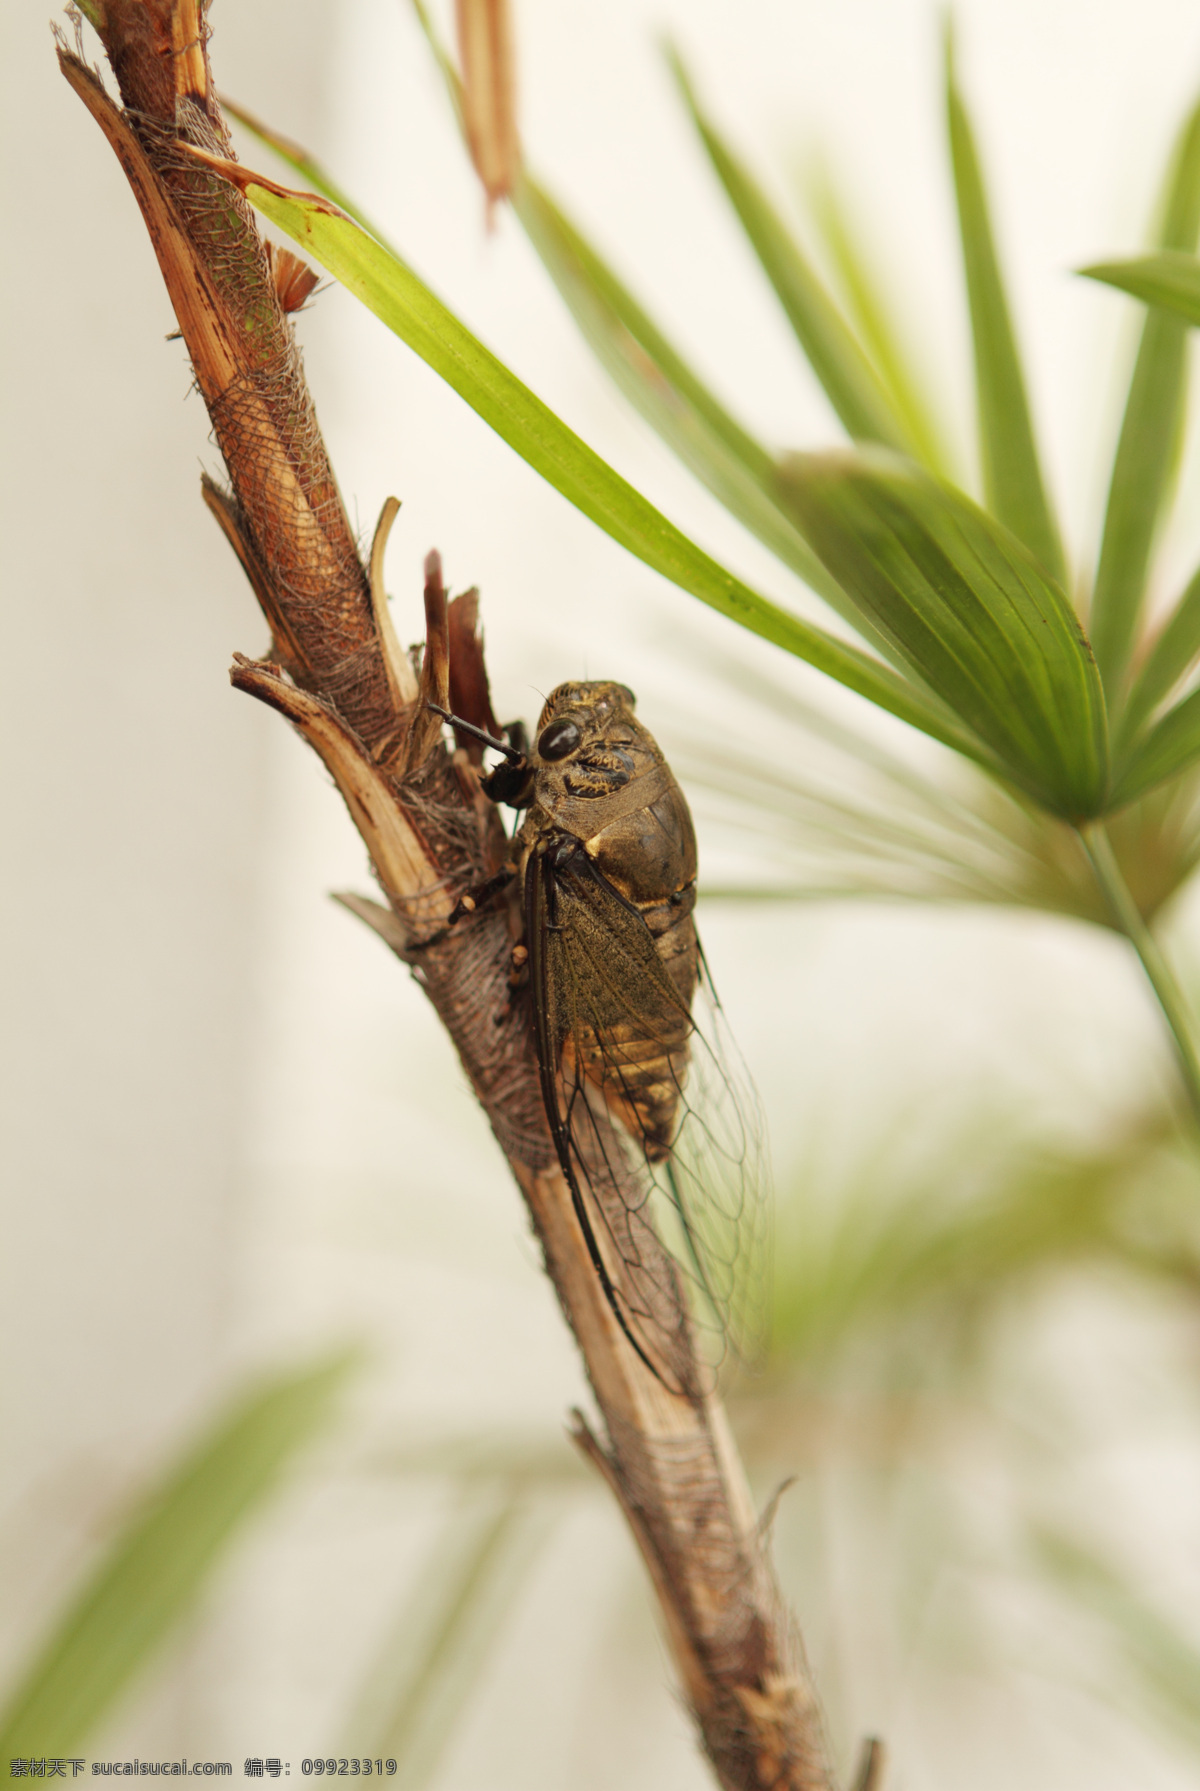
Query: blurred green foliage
[[151, 1577]]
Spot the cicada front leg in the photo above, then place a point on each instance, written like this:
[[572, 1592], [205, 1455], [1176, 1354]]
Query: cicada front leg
[[474, 899]]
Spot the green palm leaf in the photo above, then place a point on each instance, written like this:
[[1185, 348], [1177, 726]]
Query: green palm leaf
[[1012, 475], [971, 611]]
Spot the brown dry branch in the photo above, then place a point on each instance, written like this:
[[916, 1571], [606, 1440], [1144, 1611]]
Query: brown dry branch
[[336, 672]]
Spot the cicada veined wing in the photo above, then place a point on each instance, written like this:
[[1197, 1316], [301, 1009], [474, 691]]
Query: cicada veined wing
[[654, 1119]]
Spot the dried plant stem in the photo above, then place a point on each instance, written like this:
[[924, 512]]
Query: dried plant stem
[[1161, 977], [337, 674]]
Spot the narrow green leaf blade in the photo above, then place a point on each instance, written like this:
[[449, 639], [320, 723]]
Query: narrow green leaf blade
[[1170, 657], [1012, 474], [424, 1677], [1173, 746], [578, 269], [624, 336], [866, 299], [667, 391], [850, 382], [673, 399], [296, 157], [1154, 410], [389, 288], [970, 609], [154, 1571]]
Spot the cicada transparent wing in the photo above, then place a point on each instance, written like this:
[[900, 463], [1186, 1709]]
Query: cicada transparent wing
[[617, 1050], [714, 1185]]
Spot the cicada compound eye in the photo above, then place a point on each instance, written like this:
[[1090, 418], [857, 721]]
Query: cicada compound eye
[[558, 739]]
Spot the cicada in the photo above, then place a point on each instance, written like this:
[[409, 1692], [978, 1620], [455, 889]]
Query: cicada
[[654, 1124]]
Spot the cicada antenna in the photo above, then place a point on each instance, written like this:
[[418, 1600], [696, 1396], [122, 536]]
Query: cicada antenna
[[512, 753]]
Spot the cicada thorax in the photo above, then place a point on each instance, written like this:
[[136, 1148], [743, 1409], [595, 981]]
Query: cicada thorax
[[608, 824]]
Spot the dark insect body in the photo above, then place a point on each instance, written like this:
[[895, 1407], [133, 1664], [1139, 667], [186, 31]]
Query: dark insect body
[[605, 857]]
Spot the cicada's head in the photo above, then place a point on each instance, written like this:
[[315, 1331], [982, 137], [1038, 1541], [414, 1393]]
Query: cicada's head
[[590, 748], [597, 775], [588, 742], [579, 717]]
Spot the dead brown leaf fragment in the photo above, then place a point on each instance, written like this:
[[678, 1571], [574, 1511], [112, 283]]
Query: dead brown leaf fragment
[[295, 281], [486, 52]]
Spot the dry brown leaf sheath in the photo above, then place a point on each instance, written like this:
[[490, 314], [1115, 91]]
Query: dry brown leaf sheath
[[485, 48], [336, 672]]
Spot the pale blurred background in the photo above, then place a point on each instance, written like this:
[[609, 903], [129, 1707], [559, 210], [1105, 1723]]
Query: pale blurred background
[[234, 1133]]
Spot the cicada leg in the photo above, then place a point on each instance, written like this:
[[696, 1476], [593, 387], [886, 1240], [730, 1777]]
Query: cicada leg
[[478, 897]]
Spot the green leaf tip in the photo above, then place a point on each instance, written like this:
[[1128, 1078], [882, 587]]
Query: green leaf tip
[[865, 290], [970, 609], [1171, 656], [1169, 280], [1146, 454], [1012, 474], [1170, 748], [852, 385]]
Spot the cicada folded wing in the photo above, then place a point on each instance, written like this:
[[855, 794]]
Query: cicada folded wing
[[714, 1186], [655, 1123]]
